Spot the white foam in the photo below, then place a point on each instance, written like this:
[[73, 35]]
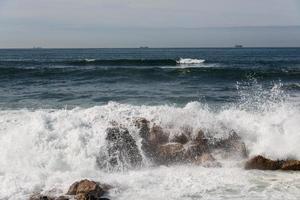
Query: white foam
[[190, 61], [89, 60]]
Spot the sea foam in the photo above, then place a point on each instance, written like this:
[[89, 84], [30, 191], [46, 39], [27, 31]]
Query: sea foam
[[190, 61]]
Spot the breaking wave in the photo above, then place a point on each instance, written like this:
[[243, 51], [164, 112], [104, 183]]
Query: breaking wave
[[45, 147], [190, 61]]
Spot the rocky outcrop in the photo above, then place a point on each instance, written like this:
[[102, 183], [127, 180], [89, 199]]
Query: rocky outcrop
[[262, 163], [186, 146]]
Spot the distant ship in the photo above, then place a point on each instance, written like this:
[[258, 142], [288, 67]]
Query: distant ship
[[238, 46], [144, 47], [37, 47]]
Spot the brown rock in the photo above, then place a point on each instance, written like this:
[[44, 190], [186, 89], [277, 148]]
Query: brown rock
[[152, 140], [171, 153], [291, 165], [73, 189], [262, 163], [87, 190]]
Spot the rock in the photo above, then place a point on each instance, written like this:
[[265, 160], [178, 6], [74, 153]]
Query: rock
[[143, 125], [171, 153], [197, 146], [180, 138], [41, 197], [262, 163], [122, 149], [200, 137], [47, 197], [87, 190], [62, 198], [291, 165], [152, 139], [233, 145], [207, 160], [157, 136]]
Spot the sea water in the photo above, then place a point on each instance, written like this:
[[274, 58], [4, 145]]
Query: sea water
[[55, 105]]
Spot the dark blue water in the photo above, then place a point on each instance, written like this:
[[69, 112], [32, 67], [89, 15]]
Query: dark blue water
[[56, 78]]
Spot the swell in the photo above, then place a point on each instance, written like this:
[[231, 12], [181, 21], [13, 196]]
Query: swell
[[91, 62], [145, 62], [148, 72]]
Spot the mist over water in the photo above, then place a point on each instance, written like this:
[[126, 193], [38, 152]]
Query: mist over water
[[50, 137]]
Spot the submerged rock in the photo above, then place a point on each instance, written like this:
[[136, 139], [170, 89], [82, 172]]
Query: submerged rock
[[87, 190]]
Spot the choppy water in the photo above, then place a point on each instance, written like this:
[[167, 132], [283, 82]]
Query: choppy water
[[57, 103]]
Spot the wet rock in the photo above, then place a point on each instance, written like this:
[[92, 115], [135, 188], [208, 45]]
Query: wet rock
[[157, 136], [207, 160], [121, 148], [291, 165], [197, 146], [87, 190], [47, 197], [152, 139], [233, 145], [200, 138], [143, 125], [62, 198], [262, 163], [170, 153], [41, 197], [180, 138]]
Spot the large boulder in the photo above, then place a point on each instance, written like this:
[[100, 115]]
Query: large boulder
[[262, 163], [122, 151], [87, 190]]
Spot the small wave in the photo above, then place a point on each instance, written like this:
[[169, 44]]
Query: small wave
[[292, 86], [190, 61], [89, 60]]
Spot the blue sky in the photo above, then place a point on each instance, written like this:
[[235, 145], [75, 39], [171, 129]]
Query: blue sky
[[156, 23]]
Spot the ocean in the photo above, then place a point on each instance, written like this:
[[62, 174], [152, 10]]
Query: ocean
[[56, 104]]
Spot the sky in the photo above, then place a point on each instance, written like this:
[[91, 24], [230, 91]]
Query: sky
[[154, 23]]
